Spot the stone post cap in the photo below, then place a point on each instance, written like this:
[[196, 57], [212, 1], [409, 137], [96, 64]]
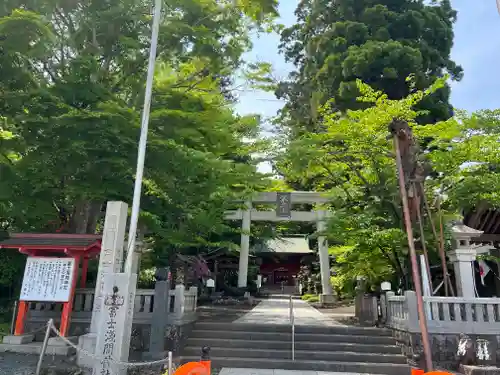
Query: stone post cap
[[463, 232]]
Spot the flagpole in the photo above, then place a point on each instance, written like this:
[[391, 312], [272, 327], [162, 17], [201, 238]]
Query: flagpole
[[141, 155]]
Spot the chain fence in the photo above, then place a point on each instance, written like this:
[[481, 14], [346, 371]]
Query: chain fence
[[165, 366]]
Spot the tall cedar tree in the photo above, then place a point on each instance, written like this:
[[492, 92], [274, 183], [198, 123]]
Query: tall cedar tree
[[380, 42]]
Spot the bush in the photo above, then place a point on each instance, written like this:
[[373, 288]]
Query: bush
[[310, 298]]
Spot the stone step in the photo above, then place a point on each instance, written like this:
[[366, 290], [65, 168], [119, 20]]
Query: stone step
[[287, 337], [231, 352], [279, 296], [301, 345], [306, 365], [285, 328]]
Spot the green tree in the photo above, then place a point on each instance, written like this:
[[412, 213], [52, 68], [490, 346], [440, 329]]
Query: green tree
[[465, 159], [352, 160], [71, 94], [380, 42]]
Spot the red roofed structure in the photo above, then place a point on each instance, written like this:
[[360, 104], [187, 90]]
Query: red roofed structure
[[80, 247]]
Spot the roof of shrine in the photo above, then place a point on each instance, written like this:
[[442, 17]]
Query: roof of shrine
[[286, 245], [486, 219], [53, 242]]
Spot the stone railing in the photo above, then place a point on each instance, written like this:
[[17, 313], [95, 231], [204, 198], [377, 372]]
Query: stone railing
[[182, 306], [445, 315]]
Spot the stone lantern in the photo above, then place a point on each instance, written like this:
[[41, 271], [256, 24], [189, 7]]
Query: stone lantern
[[463, 255]]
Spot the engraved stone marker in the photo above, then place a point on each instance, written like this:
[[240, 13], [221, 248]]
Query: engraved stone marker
[[115, 326]]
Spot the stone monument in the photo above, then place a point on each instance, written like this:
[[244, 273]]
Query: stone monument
[[110, 261], [115, 324]]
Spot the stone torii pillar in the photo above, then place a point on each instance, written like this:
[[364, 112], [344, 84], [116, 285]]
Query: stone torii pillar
[[244, 245], [324, 260]]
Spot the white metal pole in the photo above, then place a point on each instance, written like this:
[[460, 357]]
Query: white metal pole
[[498, 6], [136, 203]]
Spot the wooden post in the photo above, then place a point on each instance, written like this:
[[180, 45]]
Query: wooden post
[[22, 311], [85, 268], [68, 306]]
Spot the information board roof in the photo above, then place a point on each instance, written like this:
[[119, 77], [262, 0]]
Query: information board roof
[[53, 242]]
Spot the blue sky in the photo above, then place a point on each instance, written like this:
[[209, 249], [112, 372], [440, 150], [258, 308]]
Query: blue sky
[[476, 49]]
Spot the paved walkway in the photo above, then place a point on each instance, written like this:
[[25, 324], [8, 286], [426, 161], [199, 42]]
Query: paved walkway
[[254, 371], [277, 311]]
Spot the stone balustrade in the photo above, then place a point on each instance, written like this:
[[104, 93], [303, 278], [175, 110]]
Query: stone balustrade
[[446, 318], [182, 307], [446, 315]]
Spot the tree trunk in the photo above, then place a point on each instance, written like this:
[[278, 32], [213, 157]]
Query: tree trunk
[[85, 216]]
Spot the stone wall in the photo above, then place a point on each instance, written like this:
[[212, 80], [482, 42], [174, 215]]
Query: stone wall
[[443, 347]]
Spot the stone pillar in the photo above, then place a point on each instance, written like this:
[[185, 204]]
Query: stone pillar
[[111, 257], [110, 261], [245, 246], [161, 311], [324, 260], [464, 274], [179, 301], [136, 261]]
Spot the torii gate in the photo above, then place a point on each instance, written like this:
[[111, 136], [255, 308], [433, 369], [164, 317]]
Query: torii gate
[[284, 212]]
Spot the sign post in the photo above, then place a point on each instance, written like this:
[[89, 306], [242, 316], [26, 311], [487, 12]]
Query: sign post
[[47, 279]]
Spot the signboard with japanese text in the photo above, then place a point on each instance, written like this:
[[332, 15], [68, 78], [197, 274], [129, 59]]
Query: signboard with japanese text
[[47, 279], [283, 204]]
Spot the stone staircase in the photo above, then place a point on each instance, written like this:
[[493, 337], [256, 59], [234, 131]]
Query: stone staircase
[[334, 348]]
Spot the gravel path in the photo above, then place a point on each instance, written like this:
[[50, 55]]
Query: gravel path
[[17, 364], [25, 364]]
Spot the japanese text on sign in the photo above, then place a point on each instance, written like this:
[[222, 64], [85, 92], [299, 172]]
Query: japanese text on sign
[[283, 204], [47, 279]]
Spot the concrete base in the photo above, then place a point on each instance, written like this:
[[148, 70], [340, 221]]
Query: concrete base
[[57, 341], [479, 370], [327, 299], [155, 356], [36, 348], [87, 342], [18, 340]]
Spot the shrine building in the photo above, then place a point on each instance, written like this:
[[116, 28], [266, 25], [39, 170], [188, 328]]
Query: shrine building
[[280, 260]]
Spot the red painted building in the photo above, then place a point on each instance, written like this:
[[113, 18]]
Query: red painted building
[[280, 261]]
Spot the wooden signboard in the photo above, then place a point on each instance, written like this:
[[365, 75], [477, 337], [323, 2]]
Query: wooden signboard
[[47, 279]]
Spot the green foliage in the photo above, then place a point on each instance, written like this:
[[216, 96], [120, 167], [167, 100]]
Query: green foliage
[[352, 159], [465, 157], [310, 298], [72, 83], [380, 42]]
